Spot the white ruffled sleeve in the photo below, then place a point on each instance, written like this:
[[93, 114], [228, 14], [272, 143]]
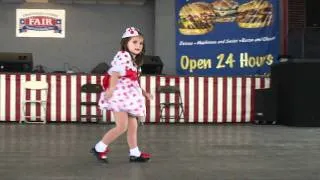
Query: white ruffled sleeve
[[120, 63]]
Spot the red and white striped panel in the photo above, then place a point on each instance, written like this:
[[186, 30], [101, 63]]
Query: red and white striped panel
[[206, 99]]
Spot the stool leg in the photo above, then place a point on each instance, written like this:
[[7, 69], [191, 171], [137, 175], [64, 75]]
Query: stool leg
[[181, 112], [161, 112]]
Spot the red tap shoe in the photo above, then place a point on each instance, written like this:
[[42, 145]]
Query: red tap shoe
[[101, 156], [142, 158]]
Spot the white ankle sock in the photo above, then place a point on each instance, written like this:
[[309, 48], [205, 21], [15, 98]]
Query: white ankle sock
[[100, 146], [135, 152]]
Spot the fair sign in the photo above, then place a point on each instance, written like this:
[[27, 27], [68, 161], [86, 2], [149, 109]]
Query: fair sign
[[40, 23]]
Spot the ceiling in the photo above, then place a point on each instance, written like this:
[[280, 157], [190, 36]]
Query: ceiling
[[115, 2]]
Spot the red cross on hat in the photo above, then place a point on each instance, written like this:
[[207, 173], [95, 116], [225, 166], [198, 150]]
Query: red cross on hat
[[130, 32]]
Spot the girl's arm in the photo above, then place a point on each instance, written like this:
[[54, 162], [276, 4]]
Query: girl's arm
[[113, 80], [146, 94], [112, 84]]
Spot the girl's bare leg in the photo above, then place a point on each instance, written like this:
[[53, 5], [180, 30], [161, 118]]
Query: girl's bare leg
[[135, 154], [121, 119], [132, 132]]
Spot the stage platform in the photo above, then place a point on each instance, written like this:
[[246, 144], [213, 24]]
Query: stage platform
[[180, 151], [206, 99]]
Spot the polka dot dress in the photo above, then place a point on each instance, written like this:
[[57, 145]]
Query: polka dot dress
[[127, 96]]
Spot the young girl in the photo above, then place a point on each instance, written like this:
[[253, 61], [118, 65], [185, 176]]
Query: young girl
[[124, 96]]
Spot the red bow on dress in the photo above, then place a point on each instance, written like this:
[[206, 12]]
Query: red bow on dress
[[106, 81], [133, 75]]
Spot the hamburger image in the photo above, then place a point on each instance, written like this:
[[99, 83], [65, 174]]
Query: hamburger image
[[255, 14], [225, 10], [196, 19]]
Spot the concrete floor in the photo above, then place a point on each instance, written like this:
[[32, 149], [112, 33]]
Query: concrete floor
[[61, 152]]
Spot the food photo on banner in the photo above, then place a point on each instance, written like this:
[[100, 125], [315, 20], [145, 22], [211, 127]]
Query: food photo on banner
[[226, 37]]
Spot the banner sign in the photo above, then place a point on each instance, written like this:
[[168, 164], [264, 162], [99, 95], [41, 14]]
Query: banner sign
[[226, 37], [40, 23]]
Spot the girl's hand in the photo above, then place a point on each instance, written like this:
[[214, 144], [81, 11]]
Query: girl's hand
[[148, 96], [111, 85], [108, 94]]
